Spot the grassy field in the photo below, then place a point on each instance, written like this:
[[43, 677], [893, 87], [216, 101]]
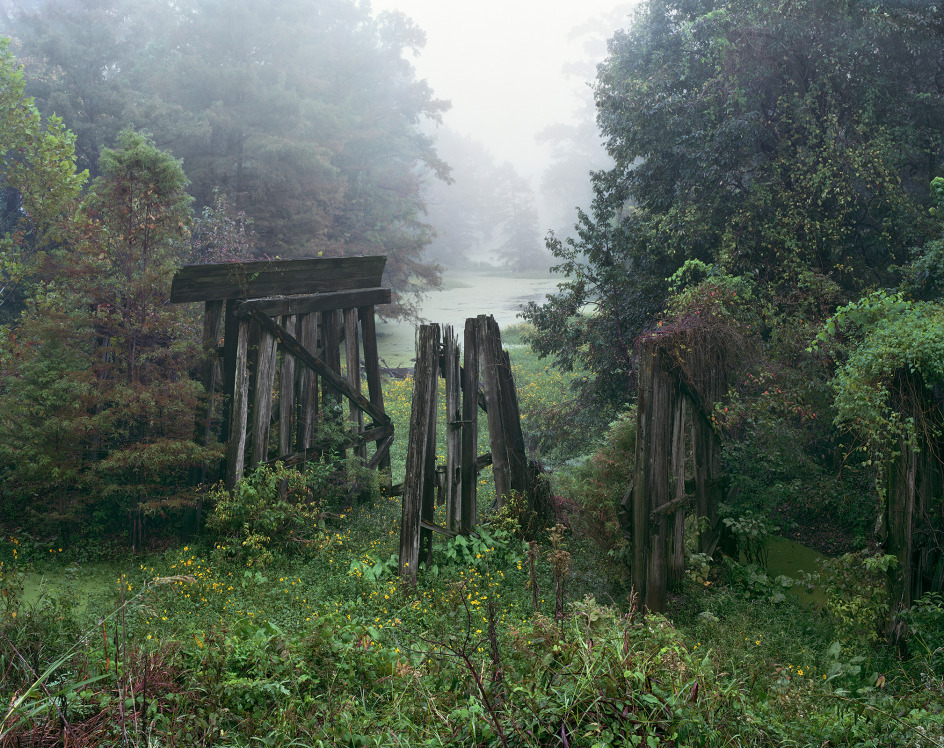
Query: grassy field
[[284, 627]]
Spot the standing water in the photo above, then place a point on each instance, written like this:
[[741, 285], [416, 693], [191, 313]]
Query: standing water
[[794, 560], [463, 295]]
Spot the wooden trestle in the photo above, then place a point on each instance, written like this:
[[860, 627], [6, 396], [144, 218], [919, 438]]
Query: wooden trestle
[[283, 324]]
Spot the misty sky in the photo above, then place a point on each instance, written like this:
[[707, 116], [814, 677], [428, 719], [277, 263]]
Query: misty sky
[[500, 63]]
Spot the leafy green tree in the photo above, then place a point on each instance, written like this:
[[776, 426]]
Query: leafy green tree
[[613, 287], [139, 216], [73, 53], [98, 408], [48, 423], [789, 144], [520, 239], [38, 181], [463, 211], [307, 115], [778, 138]]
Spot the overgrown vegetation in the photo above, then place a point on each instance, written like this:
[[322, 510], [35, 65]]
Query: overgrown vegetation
[[287, 624], [776, 205]]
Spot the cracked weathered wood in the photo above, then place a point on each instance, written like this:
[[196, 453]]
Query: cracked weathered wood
[[450, 367], [265, 278], [425, 377], [239, 408], [470, 433]]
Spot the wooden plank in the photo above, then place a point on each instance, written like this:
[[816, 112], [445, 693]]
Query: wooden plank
[[378, 433], [429, 470], [282, 305], [490, 354], [262, 401], [239, 409], [659, 432], [671, 507], [374, 381], [212, 316], [254, 280], [307, 383], [382, 455], [230, 336], [433, 527], [676, 516], [287, 392], [352, 349], [468, 476], [417, 445], [320, 367], [518, 478], [641, 476], [452, 487], [332, 355]]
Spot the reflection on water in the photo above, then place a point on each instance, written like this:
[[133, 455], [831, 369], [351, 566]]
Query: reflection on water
[[468, 295]]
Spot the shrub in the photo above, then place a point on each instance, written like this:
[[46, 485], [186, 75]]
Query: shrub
[[274, 507], [596, 486]]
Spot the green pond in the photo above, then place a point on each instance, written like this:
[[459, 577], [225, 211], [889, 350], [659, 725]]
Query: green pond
[[79, 583], [794, 560]]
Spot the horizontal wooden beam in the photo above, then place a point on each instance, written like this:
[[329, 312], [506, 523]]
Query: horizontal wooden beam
[[254, 280], [350, 440], [327, 375], [668, 508], [322, 302], [438, 528]]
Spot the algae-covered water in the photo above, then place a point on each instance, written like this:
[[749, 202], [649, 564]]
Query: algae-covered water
[[76, 584], [794, 560]]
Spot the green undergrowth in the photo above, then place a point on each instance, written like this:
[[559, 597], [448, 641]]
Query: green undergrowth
[[327, 647], [286, 625]]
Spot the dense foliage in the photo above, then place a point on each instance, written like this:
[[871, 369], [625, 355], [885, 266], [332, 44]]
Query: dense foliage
[[306, 115], [316, 642], [772, 164], [792, 144], [97, 407]]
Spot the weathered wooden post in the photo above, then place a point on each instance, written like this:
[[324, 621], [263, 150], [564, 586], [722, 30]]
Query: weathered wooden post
[[419, 480], [381, 459], [296, 293], [491, 361], [470, 427], [676, 571], [287, 400], [451, 369], [914, 500]]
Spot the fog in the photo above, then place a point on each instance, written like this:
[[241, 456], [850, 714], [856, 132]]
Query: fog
[[283, 109], [517, 75]]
